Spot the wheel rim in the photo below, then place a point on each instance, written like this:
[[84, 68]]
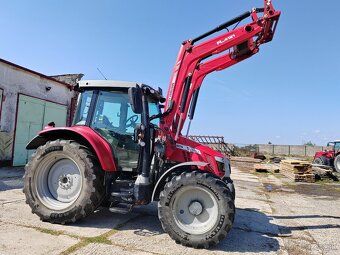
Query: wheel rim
[[58, 182], [195, 210]]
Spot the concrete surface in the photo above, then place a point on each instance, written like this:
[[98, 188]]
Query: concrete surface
[[272, 217], [17, 239], [309, 213]]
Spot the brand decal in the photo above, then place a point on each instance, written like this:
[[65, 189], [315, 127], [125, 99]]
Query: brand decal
[[226, 39], [187, 148]]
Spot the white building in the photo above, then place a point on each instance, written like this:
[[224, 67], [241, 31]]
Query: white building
[[28, 101]]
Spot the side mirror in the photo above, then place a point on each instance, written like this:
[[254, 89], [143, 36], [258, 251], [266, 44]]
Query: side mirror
[[135, 98]]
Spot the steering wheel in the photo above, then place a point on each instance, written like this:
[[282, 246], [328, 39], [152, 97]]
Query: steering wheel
[[133, 119], [106, 121]]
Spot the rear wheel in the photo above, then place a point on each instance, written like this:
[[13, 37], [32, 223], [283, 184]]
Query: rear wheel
[[196, 209], [337, 163], [62, 182]]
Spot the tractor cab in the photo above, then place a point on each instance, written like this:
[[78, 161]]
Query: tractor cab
[[334, 146], [104, 106]]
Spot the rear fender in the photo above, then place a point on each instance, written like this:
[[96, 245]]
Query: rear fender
[[83, 135], [162, 180], [326, 154]]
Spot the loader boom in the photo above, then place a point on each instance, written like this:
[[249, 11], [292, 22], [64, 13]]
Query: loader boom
[[195, 61]]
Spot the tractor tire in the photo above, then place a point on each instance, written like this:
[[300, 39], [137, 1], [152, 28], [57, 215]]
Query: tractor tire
[[320, 161], [231, 187], [62, 182], [196, 209], [337, 163]]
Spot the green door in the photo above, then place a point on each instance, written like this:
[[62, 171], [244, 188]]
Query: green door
[[56, 113], [33, 115]]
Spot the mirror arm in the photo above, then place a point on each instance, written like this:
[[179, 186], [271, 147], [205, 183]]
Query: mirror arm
[[164, 114]]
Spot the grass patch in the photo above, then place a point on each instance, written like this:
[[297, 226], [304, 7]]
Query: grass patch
[[84, 241], [103, 238], [326, 182], [109, 233], [49, 231], [45, 230], [96, 239]]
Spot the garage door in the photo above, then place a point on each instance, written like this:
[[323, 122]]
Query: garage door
[[33, 115]]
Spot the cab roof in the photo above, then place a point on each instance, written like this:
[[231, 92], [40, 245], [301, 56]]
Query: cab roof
[[107, 84]]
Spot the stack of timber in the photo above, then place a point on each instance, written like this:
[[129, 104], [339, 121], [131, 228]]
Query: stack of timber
[[274, 168], [297, 170], [244, 162]]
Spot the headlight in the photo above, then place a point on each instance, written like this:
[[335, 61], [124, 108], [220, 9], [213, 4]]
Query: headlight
[[220, 164], [223, 165], [219, 159]]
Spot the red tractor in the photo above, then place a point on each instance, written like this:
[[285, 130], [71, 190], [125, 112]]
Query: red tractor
[[329, 157], [126, 147]]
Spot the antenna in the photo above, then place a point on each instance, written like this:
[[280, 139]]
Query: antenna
[[101, 73]]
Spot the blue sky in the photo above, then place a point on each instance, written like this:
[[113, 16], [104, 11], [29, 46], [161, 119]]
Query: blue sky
[[286, 94]]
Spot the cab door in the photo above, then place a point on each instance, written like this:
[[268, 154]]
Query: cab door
[[114, 120]]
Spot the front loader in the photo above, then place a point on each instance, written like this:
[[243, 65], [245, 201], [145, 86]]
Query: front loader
[[126, 148]]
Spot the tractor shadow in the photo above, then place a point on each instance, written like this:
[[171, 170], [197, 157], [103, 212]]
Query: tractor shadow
[[252, 232], [11, 178]]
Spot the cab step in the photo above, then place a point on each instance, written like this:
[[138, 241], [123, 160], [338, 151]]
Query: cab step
[[121, 208]]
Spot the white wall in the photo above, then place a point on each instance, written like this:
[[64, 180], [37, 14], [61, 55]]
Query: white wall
[[14, 81]]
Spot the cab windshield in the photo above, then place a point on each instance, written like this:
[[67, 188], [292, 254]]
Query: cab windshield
[[112, 110]]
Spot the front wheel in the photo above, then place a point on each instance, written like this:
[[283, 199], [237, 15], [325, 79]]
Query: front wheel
[[337, 163], [62, 182], [196, 209]]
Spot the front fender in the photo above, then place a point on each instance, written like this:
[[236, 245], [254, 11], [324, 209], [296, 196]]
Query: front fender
[[161, 181], [83, 135]]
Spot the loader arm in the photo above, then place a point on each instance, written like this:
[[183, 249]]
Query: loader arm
[[194, 62]]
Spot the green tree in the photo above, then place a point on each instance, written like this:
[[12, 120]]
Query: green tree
[[309, 143]]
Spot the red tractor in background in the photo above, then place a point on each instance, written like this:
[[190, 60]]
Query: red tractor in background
[[126, 145], [329, 157]]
